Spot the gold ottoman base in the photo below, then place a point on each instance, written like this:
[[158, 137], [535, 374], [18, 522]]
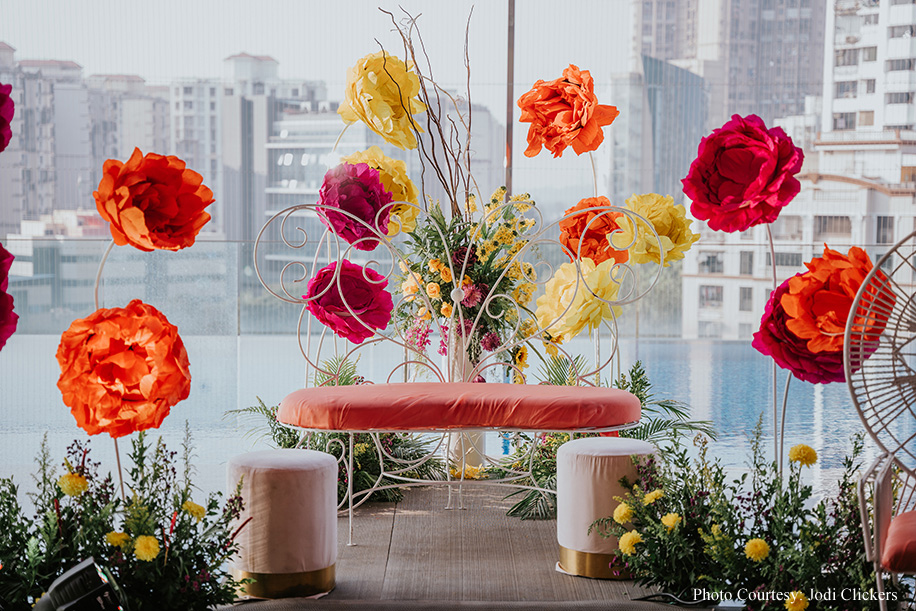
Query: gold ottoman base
[[592, 564], [287, 585]]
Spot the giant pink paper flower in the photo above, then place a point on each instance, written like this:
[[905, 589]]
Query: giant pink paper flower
[[7, 109], [355, 189], [351, 302], [744, 174], [8, 318]]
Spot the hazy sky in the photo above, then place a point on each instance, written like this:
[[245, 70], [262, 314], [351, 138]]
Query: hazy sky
[[166, 39]]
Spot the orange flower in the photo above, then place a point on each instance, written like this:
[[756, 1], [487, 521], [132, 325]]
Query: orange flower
[[592, 231], [122, 369], [152, 202], [565, 112]]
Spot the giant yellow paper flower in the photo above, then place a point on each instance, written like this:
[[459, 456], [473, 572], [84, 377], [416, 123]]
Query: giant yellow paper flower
[[393, 174], [382, 93], [670, 222], [568, 305]]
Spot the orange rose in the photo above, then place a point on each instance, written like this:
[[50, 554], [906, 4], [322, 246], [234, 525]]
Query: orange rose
[[122, 369], [152, 202], [591, 230], [565, 112]]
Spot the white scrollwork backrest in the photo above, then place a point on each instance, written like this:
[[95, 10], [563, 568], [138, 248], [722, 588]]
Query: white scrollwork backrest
[[294, 245]]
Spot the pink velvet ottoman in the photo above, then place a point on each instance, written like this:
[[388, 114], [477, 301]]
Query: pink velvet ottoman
[[290, 546]]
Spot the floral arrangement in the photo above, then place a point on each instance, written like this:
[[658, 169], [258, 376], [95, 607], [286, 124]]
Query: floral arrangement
[[7, 110], [160, 549], [8, 318]]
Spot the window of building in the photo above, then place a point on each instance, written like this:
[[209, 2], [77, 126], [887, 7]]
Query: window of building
[[747, 263], [710, 296], [844, 120], [228, 91], [846, 89], [258, 89], [787, 227], [786, 259], [212, 92], [212, 105], [898, 97], [870, 85], [866, 117], [871, 19], [902, 31], [746, 298], [709, 329], [188, 90], [869, 54], [711, 262], [188, 104], [896, 2], [904, 127], [832, 226], [295, 93], [885, 230], [894, 65], [908, 174], [846, 57]]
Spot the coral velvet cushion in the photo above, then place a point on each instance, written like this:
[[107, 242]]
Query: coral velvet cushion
[[899, 555], [442, 406]]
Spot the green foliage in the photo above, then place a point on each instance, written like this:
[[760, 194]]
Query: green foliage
[[189, 571], [281, 436]]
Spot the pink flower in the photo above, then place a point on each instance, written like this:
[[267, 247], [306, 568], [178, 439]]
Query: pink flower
[[351, 302], [7, 109], [418, 334], [490, 341], [8, 318], [473, 294], [355, 205], [744, 174]]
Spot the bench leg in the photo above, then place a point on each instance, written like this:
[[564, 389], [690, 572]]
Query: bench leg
[[350, 493]]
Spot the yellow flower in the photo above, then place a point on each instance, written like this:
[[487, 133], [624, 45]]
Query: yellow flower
[[146, 548], [523, 202], [671, 520], [117, 539], [670, 222], [445, 273], [409, 287], [382, 92], [797, 601], [434, 265], [433, 290], [756, 549], [470, 472], [471, 205], [628, 542], [567, 306], [393, 174], [424, 314], [446, 310], [521, 357], [503, 235], [803, 454], [653, 496], [194, 510], [523, 293], [623, 513], [528, 328], [72, 484]]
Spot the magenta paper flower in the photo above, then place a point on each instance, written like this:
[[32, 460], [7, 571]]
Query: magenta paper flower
[[8, 318], [355, 189], [744, 174], [7, 109], [352, 302]]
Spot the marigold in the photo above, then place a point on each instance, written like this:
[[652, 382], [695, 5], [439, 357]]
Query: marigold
[[756, 549], [568, 304], [671, 520], [117, 539], [586, 233], [146, 548], [393, 174], [623, 513], [382, 91], [803, 454], [653, 496], [72, 484], [797, 601], [628, 542], [194, 510], [670, 223]]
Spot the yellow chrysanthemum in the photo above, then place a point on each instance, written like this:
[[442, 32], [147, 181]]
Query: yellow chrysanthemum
[[756, 549], [433, 290], [72, 484], [146, 548], [382, 92], [653, 496], [194, 510], [670, 222], [803, 454], [797, 601], [623, 513], [393, 174], [671, 520], [628, 542], [567, 306], [446, 310], [117, 539]]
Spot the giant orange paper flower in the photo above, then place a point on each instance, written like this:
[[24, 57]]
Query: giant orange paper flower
[[591, 231], [152, 202], [122, 369], [565, 112]]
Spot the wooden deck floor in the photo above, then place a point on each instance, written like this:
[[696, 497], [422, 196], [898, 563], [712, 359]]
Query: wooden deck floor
[[417, 555]]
